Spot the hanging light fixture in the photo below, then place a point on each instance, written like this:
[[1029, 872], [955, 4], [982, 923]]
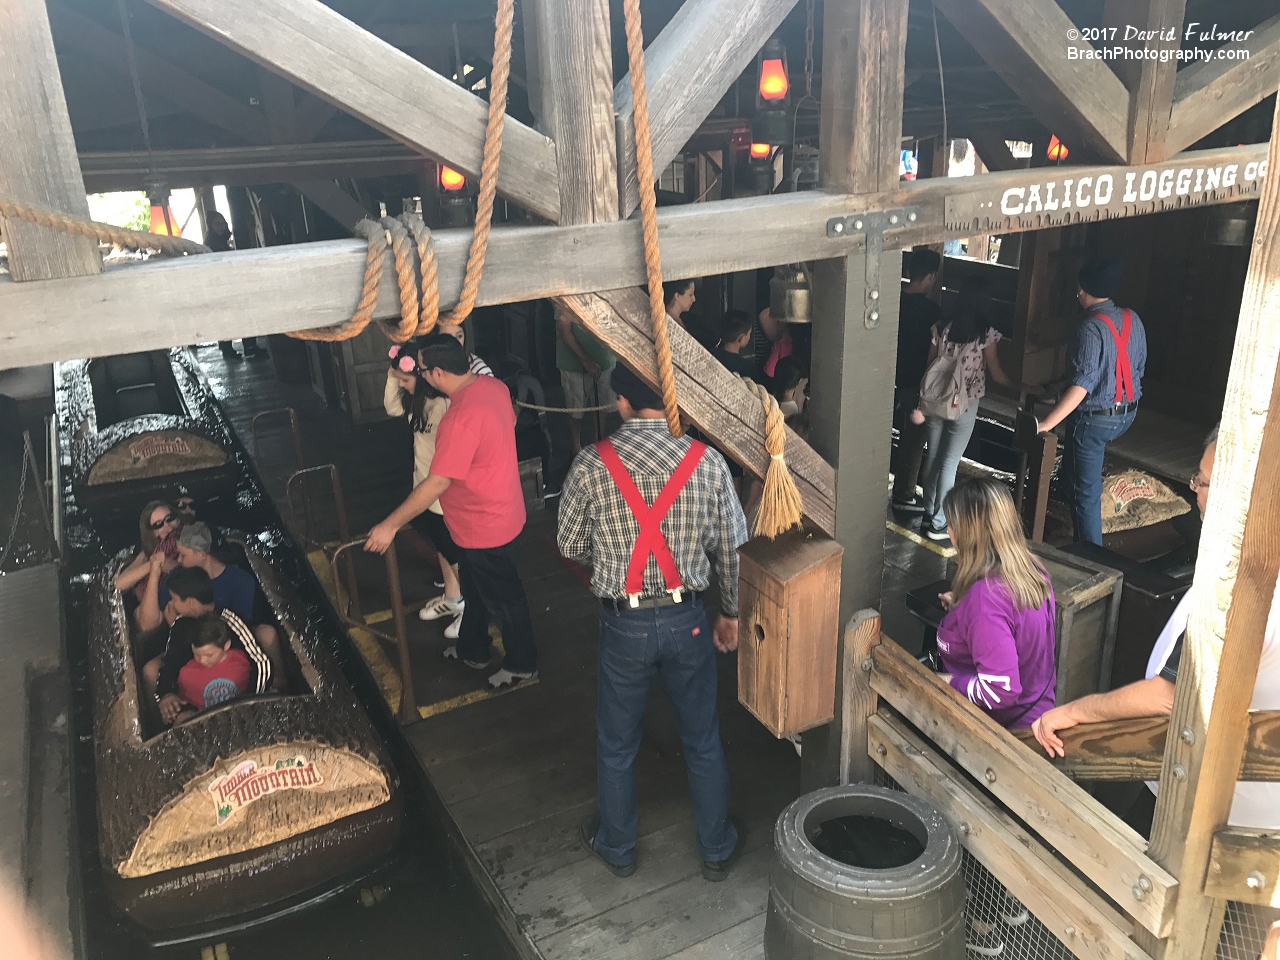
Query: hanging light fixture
[[454, 192], [163, 220], [790, 294], [1057, 149], [773, 95]]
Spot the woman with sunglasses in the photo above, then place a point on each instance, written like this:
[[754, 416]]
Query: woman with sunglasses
[[158, 527]]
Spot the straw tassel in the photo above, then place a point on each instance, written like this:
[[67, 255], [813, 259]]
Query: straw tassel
[[780, 507]]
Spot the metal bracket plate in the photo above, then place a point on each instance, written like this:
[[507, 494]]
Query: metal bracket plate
[[873, 225]]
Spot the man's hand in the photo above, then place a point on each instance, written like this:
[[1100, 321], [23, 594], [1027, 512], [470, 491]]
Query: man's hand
[[1046, 730], [724, 634], [170, 707], [156, 563], [380, 538], [592, 368]]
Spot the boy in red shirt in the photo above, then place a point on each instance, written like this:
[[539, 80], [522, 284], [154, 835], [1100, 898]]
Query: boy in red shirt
[[216, 672], [476, 477]]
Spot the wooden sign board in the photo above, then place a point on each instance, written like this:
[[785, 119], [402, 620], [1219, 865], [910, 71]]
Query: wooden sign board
[[1067, 195]]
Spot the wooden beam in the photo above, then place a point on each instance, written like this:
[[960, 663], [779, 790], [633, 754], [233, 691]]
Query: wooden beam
[[158, 76], [244, 166], [285, 288], [1149, 81], [1134, 749], [994, 150], [1232, 596], [698, 55], [1210, 92], [1091, 838], [38, 161], [1024, 42], [333, 58], [718, 403], [332, 199], [575, 70], [861, 634], [1090, 927], [1244, 865]]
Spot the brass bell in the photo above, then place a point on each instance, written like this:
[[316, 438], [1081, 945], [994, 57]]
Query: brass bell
[[1231, 224], [790, 294]]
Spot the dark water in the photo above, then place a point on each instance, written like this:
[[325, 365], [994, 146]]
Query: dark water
[[867, 842]]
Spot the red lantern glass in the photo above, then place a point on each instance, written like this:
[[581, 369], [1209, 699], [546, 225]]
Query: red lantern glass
[[761, 151], [1057, 149], [451, 181], [773, 80]]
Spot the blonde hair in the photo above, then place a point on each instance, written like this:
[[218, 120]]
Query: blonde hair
[[988, 538]]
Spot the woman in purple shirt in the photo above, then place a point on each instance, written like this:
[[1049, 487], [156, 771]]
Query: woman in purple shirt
[[997, 641]]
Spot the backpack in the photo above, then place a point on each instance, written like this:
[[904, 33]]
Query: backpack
[[943, 392]]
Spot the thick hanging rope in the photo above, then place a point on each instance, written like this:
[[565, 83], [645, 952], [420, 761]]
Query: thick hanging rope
[[649, 215], [102, 232], [780, 507], [420, 298]]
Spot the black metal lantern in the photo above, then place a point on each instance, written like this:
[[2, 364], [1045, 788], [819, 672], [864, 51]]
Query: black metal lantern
[[456, 209], [772, 122]]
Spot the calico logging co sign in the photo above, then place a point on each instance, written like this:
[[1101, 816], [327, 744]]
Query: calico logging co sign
[[1067, 195]]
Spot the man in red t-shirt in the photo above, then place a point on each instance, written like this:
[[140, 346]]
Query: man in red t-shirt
[[476, 478]]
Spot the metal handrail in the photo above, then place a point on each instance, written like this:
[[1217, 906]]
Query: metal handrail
[[340, 507], [299, 459], [408, 705]]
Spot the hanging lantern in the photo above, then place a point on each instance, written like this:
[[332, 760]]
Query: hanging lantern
[[1231, 224], [761, 151], [163, 220], [451, 181], [1057, 149], [772, 122], [790, 294]]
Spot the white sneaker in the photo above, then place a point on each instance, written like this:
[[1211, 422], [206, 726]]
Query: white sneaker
[[441, 607], [452, 631]]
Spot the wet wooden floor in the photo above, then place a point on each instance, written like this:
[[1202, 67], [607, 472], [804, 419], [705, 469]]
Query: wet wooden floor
[[516, 772]]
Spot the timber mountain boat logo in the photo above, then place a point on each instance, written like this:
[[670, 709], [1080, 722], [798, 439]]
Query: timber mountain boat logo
[[1128, 489], [248, 782], [152, 446]]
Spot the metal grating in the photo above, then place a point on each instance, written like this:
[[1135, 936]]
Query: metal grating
[[1244, 930]]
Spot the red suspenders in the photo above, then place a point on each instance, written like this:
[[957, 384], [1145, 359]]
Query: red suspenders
[[651, 540], [1124, 373]]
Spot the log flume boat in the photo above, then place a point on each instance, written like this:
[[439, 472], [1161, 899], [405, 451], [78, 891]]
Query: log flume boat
[[256, 807]]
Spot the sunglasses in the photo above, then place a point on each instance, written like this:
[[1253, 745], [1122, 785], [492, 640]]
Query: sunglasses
[[160, 523]]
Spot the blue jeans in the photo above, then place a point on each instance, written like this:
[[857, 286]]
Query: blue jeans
[[947, 440], [1087, 438], [636, 647]]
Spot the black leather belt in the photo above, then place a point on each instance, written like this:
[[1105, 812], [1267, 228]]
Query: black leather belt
[[624, 604], [1120, 409]]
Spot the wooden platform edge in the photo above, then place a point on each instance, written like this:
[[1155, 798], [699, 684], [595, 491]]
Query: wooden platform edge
[[1093, 839], [1244, 865], [1088, 926]]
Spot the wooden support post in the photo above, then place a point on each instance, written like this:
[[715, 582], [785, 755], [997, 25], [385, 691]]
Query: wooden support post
[[853, 357], [1149, 82], [860, 701], [575, 87], [38, 161], [1243, 866], [1233, 593]]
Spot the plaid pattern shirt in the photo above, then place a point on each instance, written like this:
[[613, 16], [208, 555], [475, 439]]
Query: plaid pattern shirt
[[703, 529]]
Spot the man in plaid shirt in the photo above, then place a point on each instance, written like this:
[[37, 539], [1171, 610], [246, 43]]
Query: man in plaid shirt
[[653, 516]]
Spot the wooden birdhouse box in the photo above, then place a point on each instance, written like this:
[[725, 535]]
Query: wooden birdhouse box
[[788, 628]]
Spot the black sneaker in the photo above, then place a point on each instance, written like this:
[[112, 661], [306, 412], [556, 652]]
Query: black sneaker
[[933, 534], [717, 870], [989, 944], [587, 831], [914, 505]]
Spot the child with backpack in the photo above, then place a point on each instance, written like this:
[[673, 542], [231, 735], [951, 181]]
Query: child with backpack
[[962, 354]]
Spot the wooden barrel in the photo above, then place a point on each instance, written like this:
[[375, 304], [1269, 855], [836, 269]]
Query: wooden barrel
[[902, 895]]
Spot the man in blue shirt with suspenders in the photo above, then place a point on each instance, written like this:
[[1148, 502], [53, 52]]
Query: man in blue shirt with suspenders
[[1108, 359]]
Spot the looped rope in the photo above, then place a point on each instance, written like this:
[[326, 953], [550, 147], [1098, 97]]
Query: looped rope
[[420, 297], [102, 232], [780, 507], [649, 216]]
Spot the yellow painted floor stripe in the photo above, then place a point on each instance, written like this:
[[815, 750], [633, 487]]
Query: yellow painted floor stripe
[[475, 696], [922, 541]]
